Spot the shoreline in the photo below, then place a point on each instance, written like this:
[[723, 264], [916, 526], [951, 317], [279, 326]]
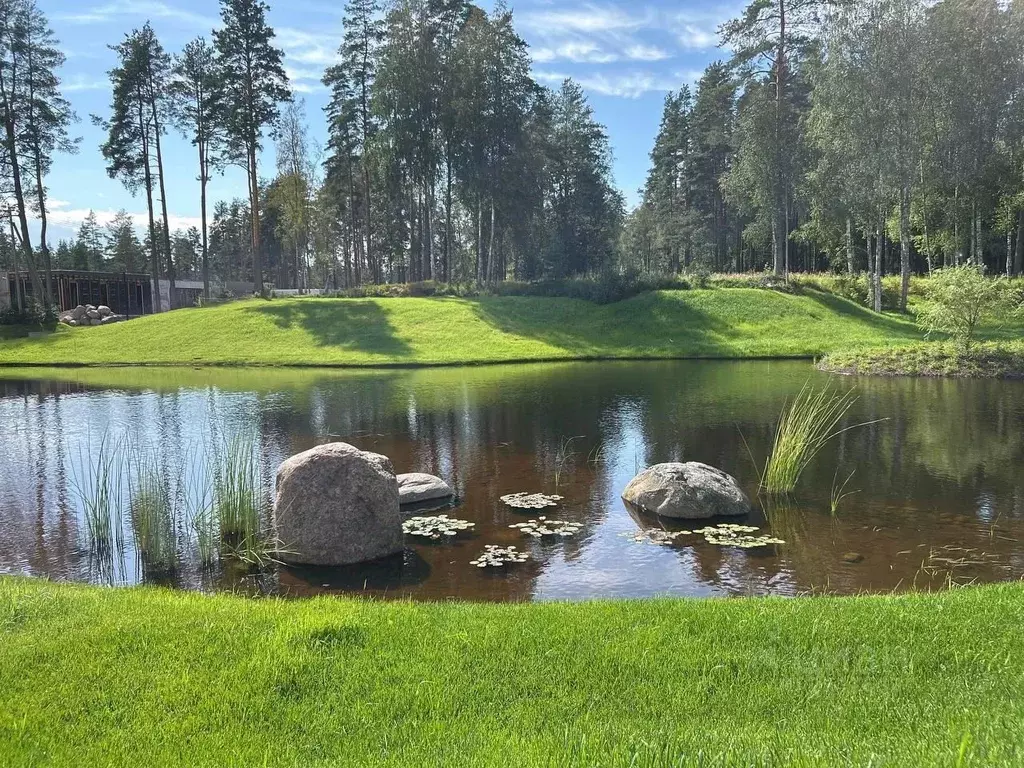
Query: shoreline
[[931, 360]]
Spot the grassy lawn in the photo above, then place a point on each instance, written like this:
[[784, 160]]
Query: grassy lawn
[[737, 322], [94, 676]]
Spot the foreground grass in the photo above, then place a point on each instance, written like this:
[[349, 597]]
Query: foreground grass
[[734, 323], [93, 676], [986, 360]]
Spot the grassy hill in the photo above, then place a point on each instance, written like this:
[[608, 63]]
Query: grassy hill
[[735, 322]]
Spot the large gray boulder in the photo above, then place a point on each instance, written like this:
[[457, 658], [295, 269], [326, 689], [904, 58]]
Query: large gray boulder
[[337, 505], [689, 490], [414, 487]]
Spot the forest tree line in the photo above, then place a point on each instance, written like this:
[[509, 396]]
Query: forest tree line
[[878, 136]]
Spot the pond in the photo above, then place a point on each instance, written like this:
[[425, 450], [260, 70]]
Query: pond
[[935, 493]]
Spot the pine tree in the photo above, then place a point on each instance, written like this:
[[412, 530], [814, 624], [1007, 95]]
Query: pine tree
[[768, 41], [35, 119], [131, 133], [123, 249], [197, 92], [351, 83], [254, 85]]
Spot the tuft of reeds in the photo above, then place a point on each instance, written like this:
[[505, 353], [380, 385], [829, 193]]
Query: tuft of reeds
[[805, 427], [152, 510], [839, 491], [239, 507], [97, 482]]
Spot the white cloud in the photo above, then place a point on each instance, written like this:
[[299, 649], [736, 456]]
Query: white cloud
[[586, 18], [580, 52], [150, 9], [318, 49], [628, 85], [694, 36], [641, 52], [80, 82], [71, 218], [599, 34]]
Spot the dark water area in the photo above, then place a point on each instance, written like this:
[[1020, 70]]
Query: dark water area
[[936, 494]]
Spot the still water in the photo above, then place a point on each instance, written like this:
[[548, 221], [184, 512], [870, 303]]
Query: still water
[[936, 494]]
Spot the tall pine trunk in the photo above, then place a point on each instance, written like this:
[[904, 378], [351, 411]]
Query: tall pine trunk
[[877, 277], [850, 266], [904, 246], [203, 170], [14, 169], [163, 201], [254, 220], [1018, 258], [154, 258], [780, 237]]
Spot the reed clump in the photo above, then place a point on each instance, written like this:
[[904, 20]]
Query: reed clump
[[807, 424], [153, 515], [98, 486]]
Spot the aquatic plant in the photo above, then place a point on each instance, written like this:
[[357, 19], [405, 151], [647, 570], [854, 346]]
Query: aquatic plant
[[434, 527], [723, 534], [565, 455], [152, 515], [494, 556], [805, 427], [544, 527], [99, 491], [238, 503], [839, 492], [203, 523], [531, 500], [257, 550], [734, 535], [657, 536]]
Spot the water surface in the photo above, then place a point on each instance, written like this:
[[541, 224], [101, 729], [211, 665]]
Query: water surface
[[937, 483]]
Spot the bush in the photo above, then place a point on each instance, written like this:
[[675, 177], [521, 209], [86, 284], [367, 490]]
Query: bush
[[35, 314], [959, 298]]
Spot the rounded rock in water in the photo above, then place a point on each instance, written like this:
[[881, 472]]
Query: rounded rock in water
[[337, 505], [689, 490]]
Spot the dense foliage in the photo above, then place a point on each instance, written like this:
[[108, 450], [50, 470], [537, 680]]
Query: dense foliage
[[878, 137], [884, 136]]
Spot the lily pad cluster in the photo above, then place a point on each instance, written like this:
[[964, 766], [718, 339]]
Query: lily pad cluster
[[733, 535], [530, 500], [435, 526], [723, 534], [495, 556], [655, 536], [544, 527]]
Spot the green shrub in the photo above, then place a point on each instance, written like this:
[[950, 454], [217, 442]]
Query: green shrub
[[34, 314], [959, 298]]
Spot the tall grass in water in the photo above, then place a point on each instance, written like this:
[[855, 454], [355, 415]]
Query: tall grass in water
[[97, 482], [805, 427], [239, 506], [153, 515]]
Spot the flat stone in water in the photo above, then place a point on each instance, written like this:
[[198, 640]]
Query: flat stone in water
[[416, 487]]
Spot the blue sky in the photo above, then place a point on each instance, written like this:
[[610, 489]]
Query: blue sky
[[626, 55]]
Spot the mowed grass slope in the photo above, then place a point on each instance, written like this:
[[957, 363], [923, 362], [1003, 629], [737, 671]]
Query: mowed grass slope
[[95, 676], [312, 331]]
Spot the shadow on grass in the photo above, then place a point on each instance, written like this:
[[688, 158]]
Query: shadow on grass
[[646, 322], [897, 326], [352, 324]]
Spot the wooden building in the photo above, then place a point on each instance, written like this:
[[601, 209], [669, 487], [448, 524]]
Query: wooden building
[[126, 293]]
